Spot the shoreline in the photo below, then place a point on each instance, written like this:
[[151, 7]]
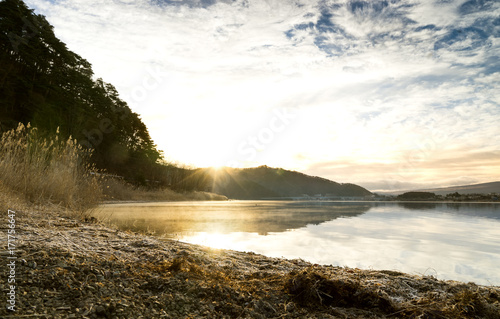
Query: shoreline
[[269, 230], [69, 268]]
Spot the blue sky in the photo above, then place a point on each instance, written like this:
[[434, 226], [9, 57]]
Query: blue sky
[[387, 94]]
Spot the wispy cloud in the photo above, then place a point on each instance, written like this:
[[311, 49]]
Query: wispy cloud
[[368, 81]]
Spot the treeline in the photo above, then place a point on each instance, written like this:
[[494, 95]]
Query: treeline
[[417, 196], [456, 197], [53, 88]]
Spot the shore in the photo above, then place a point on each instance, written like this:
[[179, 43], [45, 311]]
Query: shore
[[70, 268]]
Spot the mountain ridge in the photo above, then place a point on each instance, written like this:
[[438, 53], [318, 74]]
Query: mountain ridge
[[265, 182], [481, 188]]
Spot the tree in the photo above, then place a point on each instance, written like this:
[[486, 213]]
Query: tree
[[44, 83]]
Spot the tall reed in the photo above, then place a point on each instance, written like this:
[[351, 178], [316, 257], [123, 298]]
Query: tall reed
[[47, 169]]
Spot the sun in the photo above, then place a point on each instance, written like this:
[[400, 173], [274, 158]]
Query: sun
[[217, 168]]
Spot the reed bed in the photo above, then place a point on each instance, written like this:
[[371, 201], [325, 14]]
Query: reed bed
[[47, 169]]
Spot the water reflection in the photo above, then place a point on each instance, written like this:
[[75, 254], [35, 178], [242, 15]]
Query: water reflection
[[457, 241], [260, 217], [484, 210], [417, 205]]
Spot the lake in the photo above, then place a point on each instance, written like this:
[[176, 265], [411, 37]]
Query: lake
[[457, 241]]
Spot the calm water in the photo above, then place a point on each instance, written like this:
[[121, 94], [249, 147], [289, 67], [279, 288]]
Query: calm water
[[445, 240]]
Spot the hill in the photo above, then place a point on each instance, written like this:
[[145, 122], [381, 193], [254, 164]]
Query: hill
[[483, 188], [265, 183]]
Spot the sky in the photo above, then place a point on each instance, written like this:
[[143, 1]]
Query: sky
[[389, 95]]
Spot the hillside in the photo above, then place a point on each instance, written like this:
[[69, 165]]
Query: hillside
[[483, 188], [45, 84], [266, 182]]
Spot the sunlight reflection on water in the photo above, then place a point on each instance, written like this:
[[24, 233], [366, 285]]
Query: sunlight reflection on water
[[448, 241]]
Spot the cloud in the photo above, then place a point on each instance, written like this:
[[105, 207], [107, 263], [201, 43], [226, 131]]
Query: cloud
[[425, 167], [370, 81]]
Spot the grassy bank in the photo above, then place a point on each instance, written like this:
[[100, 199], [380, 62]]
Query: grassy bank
[[46, 169], [118, 190]]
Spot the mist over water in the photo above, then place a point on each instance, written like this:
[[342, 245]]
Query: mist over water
[[457, 241]]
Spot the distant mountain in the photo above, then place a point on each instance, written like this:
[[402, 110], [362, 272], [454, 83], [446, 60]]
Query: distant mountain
[[265, 182], [484, 188]]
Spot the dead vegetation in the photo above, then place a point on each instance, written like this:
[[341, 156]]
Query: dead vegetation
[[119, 190], [47, 169], [396, 295], [310, 288], [70, 268]]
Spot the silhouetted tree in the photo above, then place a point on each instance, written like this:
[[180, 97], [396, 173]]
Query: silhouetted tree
[[44, 83]]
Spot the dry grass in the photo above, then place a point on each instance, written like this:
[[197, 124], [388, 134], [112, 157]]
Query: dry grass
[[52, 171], [115, 189], [391, 294], [10, 200], [47, 170], [311, 288]]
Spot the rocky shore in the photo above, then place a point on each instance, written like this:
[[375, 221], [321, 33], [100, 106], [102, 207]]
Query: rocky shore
[[68, 267]]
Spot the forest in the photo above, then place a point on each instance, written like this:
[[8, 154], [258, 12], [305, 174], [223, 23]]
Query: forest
[[54, 89]]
